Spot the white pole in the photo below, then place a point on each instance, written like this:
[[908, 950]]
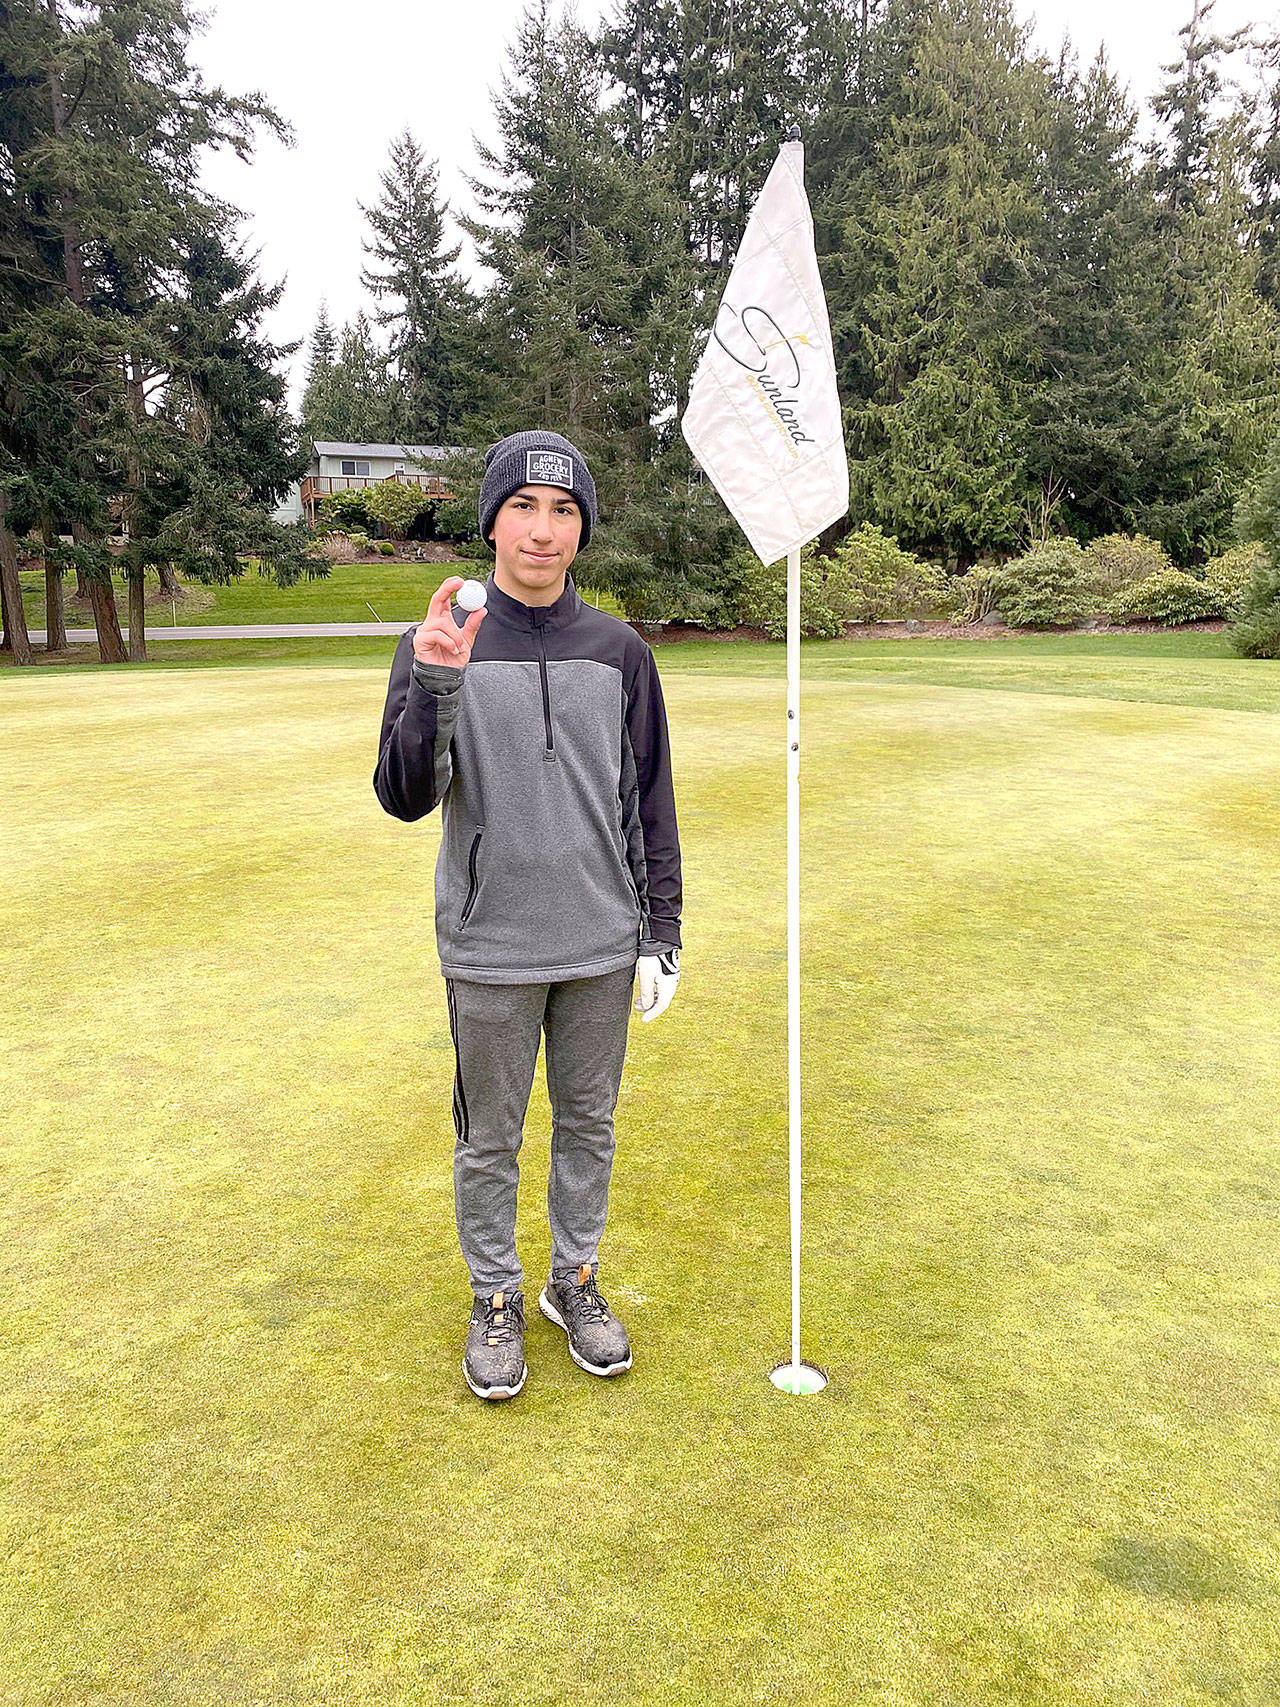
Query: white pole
[[793, 938]]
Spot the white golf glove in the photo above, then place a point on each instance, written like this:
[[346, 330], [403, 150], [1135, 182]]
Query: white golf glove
[[658, 976]]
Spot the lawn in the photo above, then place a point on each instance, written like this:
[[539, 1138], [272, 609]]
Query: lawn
[[374, 591], [1042, 887]]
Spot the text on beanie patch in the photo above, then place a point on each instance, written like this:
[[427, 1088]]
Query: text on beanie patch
[[548, 468]]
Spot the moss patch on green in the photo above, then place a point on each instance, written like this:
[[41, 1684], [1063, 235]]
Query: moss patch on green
[[1041, 1203]]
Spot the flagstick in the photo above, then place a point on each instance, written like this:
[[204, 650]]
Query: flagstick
[[793, 938], [795, 1377]]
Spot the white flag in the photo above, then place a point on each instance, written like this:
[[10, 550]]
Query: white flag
[[764, 415]]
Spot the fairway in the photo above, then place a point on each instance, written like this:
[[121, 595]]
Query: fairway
[[1042, 1207]]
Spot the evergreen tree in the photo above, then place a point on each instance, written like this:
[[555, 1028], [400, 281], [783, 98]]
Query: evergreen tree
[[1220, 340], [940, 448], [1188, 107], [230, 449], [1265, 176], [710, 88], [427, 300], [318, 418], [591, 299], [106, 185], [361, 406], [1100, 436]]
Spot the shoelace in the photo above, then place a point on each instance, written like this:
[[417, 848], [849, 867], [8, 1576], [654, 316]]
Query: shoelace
[[498, 1325], [587, 1302]]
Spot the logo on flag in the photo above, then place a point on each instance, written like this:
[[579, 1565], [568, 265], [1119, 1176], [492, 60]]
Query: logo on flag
[[772, 363], [548, 468], [764, 414]]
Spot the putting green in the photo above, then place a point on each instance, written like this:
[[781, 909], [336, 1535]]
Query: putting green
[[1042, 1201]]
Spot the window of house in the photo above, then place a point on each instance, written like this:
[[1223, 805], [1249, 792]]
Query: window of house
[[350, 467]]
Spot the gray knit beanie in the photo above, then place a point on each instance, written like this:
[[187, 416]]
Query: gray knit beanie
[[535, 459]]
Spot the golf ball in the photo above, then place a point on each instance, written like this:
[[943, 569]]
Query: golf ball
[[471, 595]]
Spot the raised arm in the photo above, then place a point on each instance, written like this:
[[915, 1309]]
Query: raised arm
[[414, 765]]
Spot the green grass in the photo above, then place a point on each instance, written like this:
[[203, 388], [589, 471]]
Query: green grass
[[1042, 1198], [398, 592], [1169, 668]]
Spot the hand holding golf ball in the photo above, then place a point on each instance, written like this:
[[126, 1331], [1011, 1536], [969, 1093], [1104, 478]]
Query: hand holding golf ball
[[438, 639]]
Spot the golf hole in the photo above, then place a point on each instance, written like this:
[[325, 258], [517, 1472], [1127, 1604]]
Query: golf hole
[[797, 1378]]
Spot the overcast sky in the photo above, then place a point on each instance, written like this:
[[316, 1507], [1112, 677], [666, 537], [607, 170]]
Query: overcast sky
[[348, 90]]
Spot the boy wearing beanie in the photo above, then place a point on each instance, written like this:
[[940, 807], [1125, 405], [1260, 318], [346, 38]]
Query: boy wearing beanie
[[538, 725]]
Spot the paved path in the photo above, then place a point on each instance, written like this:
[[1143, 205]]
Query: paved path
[[263, 631]]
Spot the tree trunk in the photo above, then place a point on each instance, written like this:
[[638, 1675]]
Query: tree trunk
[[169, 582], [102, 599], [137, 616], [82, 586], [133, 476], [15, 622], [55, 617]]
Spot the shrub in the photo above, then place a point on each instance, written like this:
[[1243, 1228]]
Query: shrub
[[1256, 630], [386, 548], [335, 547], [972, 596], [761, 600], [1170, 596], [454, 519], [472, 550], [869, 576], [1045, 588], [346, 510], [1231, 574], [395, 506], [1118, 560]]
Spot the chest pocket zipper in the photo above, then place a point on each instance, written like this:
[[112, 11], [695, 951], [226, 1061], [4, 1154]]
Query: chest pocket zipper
[[474, 882], [546, 695]]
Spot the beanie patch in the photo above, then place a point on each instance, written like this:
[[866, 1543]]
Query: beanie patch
[[548, 468]]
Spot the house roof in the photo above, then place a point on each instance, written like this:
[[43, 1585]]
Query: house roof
[[331, 447]]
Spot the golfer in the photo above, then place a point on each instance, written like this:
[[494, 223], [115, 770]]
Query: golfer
[[537, 724]]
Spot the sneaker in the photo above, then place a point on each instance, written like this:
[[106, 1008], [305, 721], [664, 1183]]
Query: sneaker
[[598, 1341], [493, 1362]]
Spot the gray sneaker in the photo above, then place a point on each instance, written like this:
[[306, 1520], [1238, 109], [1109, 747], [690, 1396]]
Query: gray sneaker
[[598, 1341], [493, 1362]]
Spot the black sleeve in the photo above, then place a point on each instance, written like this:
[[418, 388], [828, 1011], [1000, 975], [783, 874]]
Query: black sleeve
[[414, 765], [647, 729]]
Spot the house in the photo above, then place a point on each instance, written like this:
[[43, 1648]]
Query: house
[[336, 467]]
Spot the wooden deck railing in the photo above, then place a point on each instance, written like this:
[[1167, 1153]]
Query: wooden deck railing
[[317, 486]]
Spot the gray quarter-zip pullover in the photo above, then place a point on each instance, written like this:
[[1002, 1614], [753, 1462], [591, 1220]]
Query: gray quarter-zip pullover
[[559, 854]]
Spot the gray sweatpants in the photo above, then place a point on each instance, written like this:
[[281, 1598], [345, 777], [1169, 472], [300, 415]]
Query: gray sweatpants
[[496, 1031]]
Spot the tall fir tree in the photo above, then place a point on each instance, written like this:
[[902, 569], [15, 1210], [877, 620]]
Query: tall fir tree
[[940, 446], [360, 397], [1099, 418], [1220, 339], [1265, 171], [107, 189], [318, 419], [591, 291], [1265, 174], [711, 87], [421, 301]]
